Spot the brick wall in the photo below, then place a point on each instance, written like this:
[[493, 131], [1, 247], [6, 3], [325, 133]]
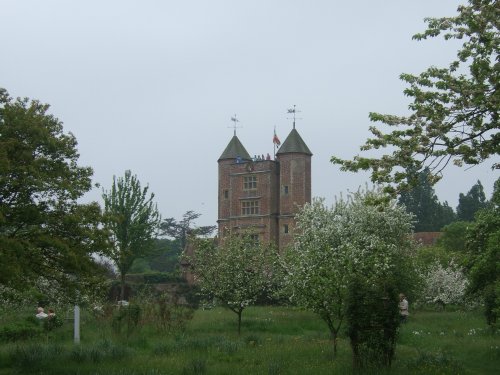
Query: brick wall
[[282, 186], [295, 191]]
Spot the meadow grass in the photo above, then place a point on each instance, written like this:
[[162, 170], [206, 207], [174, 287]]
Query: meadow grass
[[273, 340]]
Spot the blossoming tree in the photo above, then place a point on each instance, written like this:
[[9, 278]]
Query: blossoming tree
[[444, 285], [360, 245], [234, 273]]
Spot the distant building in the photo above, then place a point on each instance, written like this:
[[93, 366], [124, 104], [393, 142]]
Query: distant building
[[427, 238], [262, 195]]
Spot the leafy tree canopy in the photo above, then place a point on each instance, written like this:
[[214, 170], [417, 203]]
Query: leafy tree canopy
[[46, 237], [181, 229], [483, 244], [363, 238], [454, 236], [455, 110], [421, 200], [132, 219], [235, 273], [164, 259], [472, 202]]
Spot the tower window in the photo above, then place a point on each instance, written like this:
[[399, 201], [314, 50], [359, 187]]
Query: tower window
[[249, 182], [249, 208], [285, 190], [255, 238], [226, 194], [285, 228]]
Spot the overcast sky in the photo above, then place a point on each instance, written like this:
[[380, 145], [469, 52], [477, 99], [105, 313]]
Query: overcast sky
[[151, 85]]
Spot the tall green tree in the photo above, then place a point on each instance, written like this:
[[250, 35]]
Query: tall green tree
[[45, 234], [483, 244], [132, 219], [454, 111], [471, 202], [422, 202]]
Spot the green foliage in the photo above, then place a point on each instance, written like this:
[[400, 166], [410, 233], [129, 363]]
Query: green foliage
[[99, 352], [454, 236], [281, 340], [126, 318], [196, 366], [428, 255], [132, 219], [44, 231], [20, 330], [362, 242], [472, 202], [421, 201], [235, 273], [33, 357], [180, 230], [153, 277], [372, 322], [484, 251], [166, 257], [436, 362], [160, 277], [140, 265], [165, 310], [454, 111], [52, 322]]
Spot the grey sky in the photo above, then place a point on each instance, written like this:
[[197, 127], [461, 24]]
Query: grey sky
[[151, 85]]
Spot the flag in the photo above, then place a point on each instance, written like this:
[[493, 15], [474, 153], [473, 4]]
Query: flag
[[276, 140]]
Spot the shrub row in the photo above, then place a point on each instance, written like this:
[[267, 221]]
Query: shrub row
[[155, 278]]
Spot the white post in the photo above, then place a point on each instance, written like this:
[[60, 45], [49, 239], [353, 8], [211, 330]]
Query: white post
[[77, 324]]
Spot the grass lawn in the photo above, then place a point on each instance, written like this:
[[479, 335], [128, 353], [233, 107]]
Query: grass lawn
[[274, 340]]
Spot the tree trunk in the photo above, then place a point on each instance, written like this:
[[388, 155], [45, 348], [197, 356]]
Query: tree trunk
[[333, 335], [239, 322], [122, 287]]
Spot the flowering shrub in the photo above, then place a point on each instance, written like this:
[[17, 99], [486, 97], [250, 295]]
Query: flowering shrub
[[54, 292], [444, 285]]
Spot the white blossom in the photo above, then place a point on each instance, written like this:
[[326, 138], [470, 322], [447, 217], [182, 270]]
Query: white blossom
[[444, 285], [353, 236]]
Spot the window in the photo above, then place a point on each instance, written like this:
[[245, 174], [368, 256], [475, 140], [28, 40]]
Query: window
[[226, 194], [250, 207], [249, 182], [285, 189], [285, 228]]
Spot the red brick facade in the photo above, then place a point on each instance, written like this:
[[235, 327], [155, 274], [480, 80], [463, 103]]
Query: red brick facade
[[262, 196], [427, 238]]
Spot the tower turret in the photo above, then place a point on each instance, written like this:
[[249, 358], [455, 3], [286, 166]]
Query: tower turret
[[295, 182], [234, 153]]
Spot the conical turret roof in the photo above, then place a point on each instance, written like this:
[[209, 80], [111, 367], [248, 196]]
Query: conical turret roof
[[294, 143], [235, 149]]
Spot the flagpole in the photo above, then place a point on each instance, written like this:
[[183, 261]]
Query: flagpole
[[274, 144]]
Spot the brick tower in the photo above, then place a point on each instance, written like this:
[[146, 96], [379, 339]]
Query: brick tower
[[294, 158], [262, 195]]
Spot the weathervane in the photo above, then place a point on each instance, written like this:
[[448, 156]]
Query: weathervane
[[234, 120], [294, 111]]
